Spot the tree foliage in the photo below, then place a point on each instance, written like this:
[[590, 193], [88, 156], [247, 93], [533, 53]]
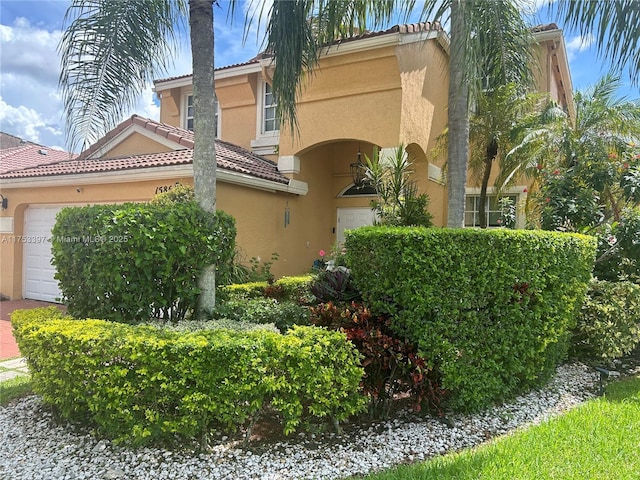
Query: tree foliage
[[399, 202]]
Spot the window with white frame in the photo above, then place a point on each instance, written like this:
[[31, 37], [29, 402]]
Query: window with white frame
[[270, 121], [188, 119], [493, 208], [188, 114]]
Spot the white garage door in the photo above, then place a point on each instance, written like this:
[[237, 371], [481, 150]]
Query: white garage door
[[38, 272], [349, 218]]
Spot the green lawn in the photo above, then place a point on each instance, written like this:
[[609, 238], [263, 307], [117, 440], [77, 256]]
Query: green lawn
[[598, 440], [15, 388]]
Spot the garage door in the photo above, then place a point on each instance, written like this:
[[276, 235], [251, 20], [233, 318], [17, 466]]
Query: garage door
[[38, 272]]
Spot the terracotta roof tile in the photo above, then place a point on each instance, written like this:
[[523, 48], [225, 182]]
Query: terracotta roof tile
[[544, 27], [79, 165], [255, 59], [229, 157], [29, 155], [403, 28], [170, 132]]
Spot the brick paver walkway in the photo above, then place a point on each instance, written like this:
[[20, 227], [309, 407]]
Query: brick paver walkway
[[8, 346]]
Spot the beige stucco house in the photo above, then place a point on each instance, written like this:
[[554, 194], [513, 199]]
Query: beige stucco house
[[290, 195]]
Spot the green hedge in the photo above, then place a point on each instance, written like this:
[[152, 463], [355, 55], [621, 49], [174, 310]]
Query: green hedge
[[133, 262], [293, 288], [494, 308], [609, 322], [142, 384], [262, 311]]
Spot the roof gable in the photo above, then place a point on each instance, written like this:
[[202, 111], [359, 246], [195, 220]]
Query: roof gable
[[229, 157]]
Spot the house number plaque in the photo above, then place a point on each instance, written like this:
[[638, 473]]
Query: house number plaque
[[165, 188]]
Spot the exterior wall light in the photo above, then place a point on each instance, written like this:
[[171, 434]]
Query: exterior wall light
[[358, 171], [4, 201]]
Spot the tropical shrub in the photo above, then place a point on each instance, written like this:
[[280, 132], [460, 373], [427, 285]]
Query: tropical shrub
[[398, 201], [618, 255], [609, 323], [134, 262], [283, 315], [491, 310], [334, 285], [216, 324], [142, 384], [391, 364]]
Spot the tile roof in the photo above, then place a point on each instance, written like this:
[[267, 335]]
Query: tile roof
[[175, 134], [402, 28], [29, 155], [251, 61], [544, 27], [229, 157]]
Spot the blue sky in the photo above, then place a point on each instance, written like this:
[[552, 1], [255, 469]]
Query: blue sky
[[30, 105]]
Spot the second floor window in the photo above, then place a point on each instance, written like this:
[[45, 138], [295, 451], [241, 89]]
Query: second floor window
[[188, 110], [188, 123], [270, 122]]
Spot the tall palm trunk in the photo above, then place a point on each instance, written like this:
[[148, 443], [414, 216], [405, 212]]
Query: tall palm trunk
[[204, 127], [458, 119], [492, 152]]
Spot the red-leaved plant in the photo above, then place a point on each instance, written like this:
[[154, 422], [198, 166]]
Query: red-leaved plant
[[392, 365]]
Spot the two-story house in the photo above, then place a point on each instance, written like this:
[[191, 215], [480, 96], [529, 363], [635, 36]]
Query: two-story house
[[290, 194]]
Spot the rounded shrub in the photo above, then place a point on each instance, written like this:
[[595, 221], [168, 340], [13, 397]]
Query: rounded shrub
[[491, 309], [138, 261]]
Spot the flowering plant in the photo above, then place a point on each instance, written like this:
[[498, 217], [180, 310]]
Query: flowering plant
[[320, 264]]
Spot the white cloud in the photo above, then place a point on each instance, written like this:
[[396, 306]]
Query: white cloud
[[29, 69], [26, 122], [579, 44], [30, 51], [31, 104], [146, 106]]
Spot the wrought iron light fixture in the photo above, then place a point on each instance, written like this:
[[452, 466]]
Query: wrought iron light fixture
[[358, 171], [4, 202]]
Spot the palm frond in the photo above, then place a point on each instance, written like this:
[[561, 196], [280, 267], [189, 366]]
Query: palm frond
[[615, 24], [110, 50], [298, 30], [502, 44]]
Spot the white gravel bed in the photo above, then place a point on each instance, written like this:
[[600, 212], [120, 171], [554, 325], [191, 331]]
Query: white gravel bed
[[33, 446]]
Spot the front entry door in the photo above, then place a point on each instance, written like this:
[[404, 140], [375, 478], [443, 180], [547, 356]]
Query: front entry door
[[350, 218]]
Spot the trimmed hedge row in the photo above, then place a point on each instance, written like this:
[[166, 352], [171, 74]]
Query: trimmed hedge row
[[290, 288], [141, 384], [494, 308], [137, 261]]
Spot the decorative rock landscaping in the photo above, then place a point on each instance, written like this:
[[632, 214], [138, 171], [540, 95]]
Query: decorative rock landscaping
[[33, 446]]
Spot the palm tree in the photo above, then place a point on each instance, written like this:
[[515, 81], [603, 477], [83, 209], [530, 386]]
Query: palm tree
[[494, 126], [110, 49], [478, 30], [581, 155]]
